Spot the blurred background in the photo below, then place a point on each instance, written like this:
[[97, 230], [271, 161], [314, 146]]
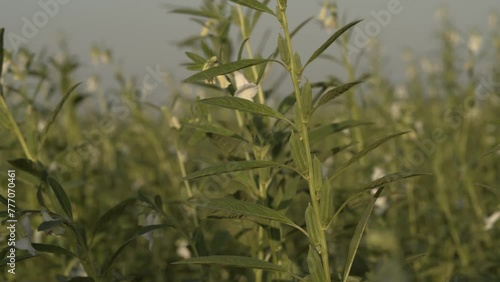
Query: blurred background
[[144, 33]]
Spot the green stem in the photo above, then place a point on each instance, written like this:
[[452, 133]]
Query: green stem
[[17, 131], [304, 134]]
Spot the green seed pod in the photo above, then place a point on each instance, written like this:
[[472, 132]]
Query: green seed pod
[[326, 205], [315, 265], [313, 226]]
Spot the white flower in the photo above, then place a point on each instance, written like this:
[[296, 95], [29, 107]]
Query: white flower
[[244, 89], [491, 220], [26, 224], [381, 205], [396, 110], [25, 244], [475, 42], [92, 83], [377, 173], [182, 249], [174, 123], [151, 219]]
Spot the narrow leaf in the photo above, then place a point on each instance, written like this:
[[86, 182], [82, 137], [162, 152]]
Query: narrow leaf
[[336, 92], [224, 69], [320, 133], [61, 196], [358, 233], [52, 249], [195, 12], [208, 128], [57, 110], [246, 209], [230, 167], [365, 151], [240, 104], [387, 179], [329, 42], [150, 228], [254, 4], [196, 58], [112, 214], [29, 166]]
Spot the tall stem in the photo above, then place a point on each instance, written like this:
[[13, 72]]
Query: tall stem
[[304, 134]]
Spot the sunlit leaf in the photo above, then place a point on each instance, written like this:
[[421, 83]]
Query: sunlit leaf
[[240, 104], [336, 92], [329, 42], [254, 4], [224, 69]]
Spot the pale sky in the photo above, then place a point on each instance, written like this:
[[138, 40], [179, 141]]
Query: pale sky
[[141, 33]]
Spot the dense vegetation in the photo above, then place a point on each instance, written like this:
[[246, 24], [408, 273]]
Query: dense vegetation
[[350, 177]]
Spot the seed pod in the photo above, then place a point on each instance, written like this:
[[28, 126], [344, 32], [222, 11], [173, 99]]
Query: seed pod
[[326, 205], [315, 265], [313, 226]]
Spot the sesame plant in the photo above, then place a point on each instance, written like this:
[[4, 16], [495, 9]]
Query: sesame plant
[[278, 160], [256, 168]]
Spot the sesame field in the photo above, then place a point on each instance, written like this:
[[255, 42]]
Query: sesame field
[[252, 167]]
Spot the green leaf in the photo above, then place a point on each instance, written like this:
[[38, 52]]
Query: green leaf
[[387, 179], [46, 225], [320, 133], [358, 233], [112, 214], [240, 104], [61, 196], [254, 4], [196, 58], [365, 151], [224, 69], [234, 261], [208, 128], [195, 12], [52, 249], [230, 167], [158, 202], [36, 169], [242, 47], [150, 228], [57, 110], [109, 263], [336, 92], [246, 208], [491, 189], [329, 42]]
